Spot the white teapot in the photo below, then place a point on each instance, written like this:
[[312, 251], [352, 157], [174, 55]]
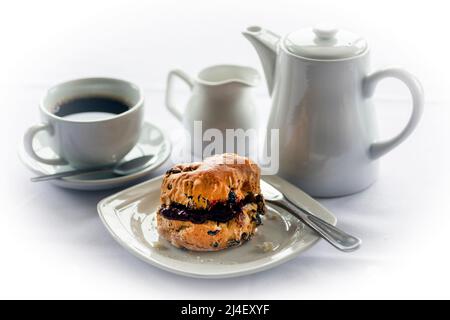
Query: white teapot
[[321, 85]]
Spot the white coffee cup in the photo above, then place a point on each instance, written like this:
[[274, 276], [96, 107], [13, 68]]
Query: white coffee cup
[[88, 143]]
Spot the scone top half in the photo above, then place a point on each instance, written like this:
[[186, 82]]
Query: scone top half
[[202, 185]]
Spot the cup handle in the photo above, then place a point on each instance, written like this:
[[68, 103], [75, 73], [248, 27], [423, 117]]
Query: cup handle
[[370, 82], [28, 144], [169, 99]]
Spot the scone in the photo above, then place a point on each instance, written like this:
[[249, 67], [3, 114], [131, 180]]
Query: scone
[[211, 205]]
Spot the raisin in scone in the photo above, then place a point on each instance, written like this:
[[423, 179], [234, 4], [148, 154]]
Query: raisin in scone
[[211, 205]]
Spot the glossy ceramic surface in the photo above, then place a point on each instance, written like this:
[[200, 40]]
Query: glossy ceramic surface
[[94, 142], [130, 218], [221, 98], [325, 42], [322, 108], [152, 140]]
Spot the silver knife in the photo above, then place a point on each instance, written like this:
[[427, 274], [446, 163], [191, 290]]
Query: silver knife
[[335, 236]]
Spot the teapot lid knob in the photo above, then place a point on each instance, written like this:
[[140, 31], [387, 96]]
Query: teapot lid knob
[[324, 42], [325, 32]]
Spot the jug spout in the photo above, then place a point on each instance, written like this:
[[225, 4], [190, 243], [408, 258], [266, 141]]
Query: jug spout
[[265, 43]]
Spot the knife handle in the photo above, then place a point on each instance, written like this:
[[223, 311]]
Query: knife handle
[[335, 236]]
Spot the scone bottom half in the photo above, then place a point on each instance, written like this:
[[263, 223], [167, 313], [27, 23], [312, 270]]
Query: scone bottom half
[[211, 205]]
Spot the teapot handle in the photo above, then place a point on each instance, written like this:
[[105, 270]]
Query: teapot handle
[[370, 82], [169, 99]]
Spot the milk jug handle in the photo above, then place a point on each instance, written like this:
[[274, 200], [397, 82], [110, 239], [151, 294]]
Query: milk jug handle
[[370, 82], [169, 91]]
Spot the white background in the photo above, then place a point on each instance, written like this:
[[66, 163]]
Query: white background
[[52, 243]]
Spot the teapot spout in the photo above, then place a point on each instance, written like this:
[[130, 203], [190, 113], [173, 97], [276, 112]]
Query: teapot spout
[[265, 43]]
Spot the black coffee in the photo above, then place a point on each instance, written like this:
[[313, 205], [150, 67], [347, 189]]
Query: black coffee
[[91, 108]]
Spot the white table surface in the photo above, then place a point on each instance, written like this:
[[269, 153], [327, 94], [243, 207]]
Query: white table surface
[[53, 244]]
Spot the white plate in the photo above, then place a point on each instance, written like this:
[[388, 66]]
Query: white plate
[[152, 141], [130, 218]]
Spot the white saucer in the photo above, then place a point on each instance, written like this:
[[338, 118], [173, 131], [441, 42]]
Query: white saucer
[[130, 218], [152, 141]]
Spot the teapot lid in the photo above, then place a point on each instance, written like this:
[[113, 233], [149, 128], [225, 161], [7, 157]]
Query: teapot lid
[[325, 43]]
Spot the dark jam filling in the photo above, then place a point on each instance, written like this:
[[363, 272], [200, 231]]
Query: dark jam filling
[[219, 212]]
